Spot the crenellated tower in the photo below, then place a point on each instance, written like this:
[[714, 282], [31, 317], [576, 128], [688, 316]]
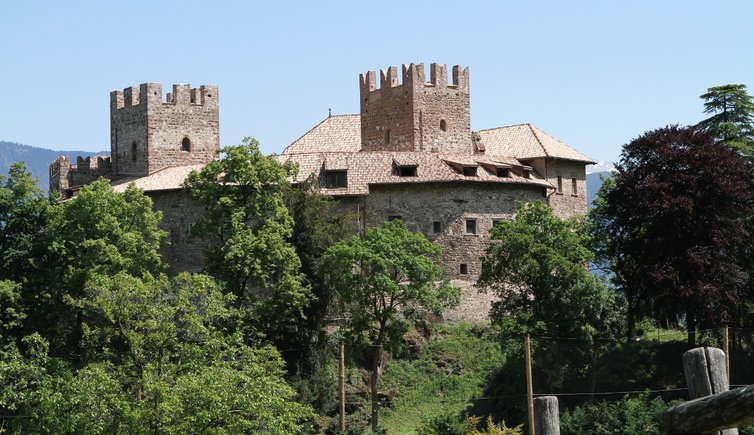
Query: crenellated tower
[[148, 134], [416, 114]]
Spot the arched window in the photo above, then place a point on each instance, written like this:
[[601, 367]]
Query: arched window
[[186, 144], [133, 150], [443, 125]]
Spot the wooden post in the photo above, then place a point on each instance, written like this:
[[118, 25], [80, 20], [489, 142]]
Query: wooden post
[[706, 374], [546, 418], [733, 408], [529, 387], [725, 349], [341, 386]]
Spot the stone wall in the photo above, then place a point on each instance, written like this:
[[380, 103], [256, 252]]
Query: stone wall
[[179, 213], [452, 205], [416, 115], [569, 198]]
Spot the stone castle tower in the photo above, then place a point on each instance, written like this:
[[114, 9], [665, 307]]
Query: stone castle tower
[[147, 134], [416, 115]]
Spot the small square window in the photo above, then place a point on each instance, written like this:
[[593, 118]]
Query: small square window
[[436, 227], [336, 179], [469, 171], [496, 222], [464, 269], [470, 226]]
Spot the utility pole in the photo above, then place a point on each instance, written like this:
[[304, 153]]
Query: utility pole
[[529, 387], [341, 386]]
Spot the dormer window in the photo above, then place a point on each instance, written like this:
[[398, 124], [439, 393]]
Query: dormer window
[[469, 171], [527, 171], [186, 144], [407, 171], [404, 165], [502, 172], [336, 179]]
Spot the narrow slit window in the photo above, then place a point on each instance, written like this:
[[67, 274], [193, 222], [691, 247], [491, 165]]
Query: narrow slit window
[[436, 227], [443, 125], [186, 144], [560, 184], [388, 136], [574, 187], [133, 150]]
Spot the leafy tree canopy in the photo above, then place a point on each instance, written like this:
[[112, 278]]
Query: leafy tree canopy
[[732, 119], [246, 215], [385, 280], [536, 264], [161, 362], [676, 225]]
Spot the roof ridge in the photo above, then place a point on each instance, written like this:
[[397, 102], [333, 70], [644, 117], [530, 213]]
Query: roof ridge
[[503, 126], [315, 127], [538, 140]]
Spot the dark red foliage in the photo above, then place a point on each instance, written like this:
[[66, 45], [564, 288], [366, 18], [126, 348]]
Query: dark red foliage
[[681, 229]]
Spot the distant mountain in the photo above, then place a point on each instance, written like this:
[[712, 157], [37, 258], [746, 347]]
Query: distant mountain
[[37, 160], [593, 183], [601, 166]]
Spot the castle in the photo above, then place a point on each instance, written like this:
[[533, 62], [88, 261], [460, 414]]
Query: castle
[[409, 154]]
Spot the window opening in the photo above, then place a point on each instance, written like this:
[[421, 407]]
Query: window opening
[[469, 171], [186, 144], [387, 136], [394, 217], [574, 187], [560, 184], [436, 227], [133, 150], [502, 172], [407, 171], [443, 125], [470, 226], [336, 179], [464, 269], [496, 222], [527, 173]]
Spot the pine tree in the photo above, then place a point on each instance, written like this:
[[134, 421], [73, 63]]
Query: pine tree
[[732, 120]]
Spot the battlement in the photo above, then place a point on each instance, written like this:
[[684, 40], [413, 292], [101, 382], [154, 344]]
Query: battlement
[[151, 94], [65, 176], [413, 76]]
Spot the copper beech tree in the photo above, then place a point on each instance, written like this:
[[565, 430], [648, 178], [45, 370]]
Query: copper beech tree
[[677, 226]]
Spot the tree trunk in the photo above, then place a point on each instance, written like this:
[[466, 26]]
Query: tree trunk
[[593, 372], [373, 386], [691, 328]]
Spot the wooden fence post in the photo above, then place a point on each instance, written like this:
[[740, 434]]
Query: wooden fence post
[[546, 418], [529, 387], [706, 374]]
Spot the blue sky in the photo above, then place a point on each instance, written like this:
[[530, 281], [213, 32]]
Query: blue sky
[[594, 74]]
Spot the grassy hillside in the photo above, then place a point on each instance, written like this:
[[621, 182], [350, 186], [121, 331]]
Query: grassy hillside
[[36, 159]]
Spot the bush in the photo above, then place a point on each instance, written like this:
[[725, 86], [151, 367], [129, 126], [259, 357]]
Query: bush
[[629, 416]]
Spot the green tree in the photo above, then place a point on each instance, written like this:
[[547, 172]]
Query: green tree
[[23, 217], [536, 264], [99, 232], [245, 214], [676, 226], [732, 120], [385, 280], [160, 361]]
